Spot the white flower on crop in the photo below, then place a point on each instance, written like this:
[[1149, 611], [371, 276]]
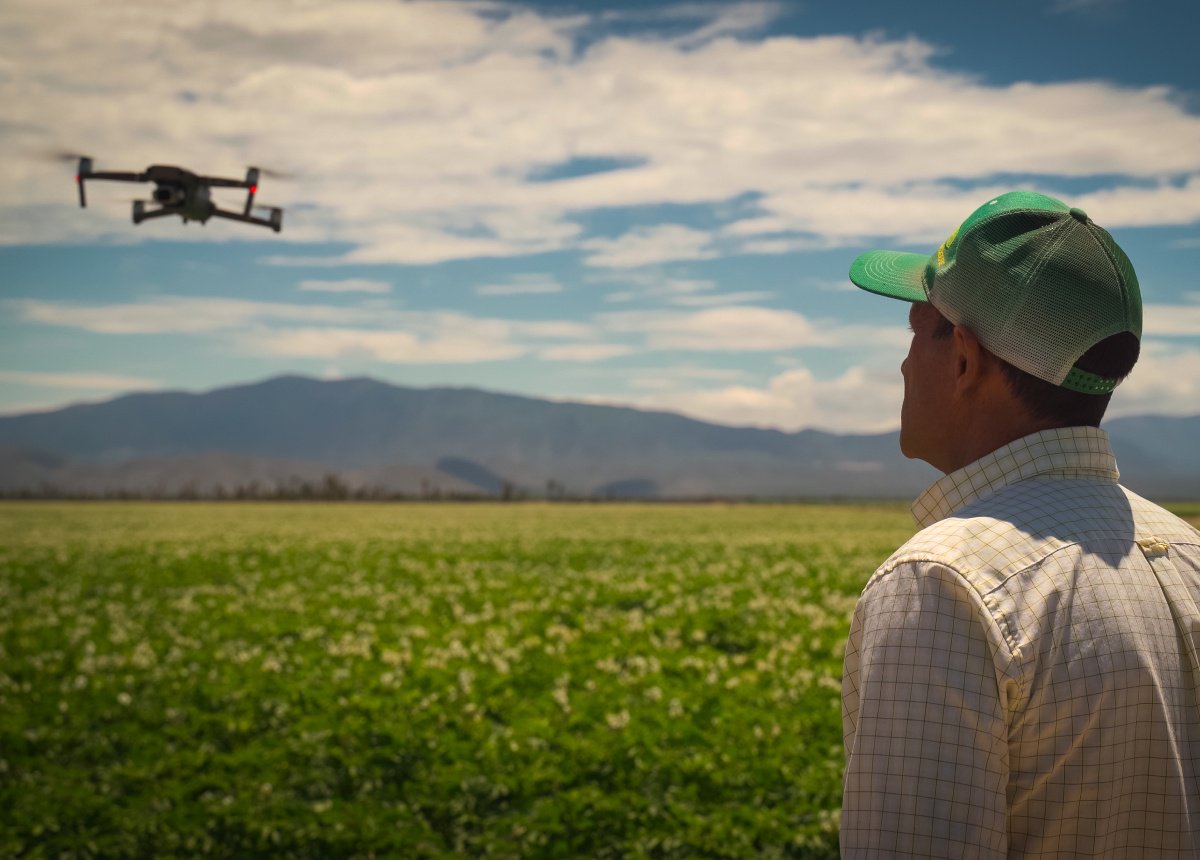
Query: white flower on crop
[[562, 632], [675, 708], [350, 646], [829, 682], [466, 681], [654, 694], [617, 721], [124, 698]]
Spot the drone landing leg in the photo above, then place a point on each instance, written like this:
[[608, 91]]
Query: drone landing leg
[[140, 214]]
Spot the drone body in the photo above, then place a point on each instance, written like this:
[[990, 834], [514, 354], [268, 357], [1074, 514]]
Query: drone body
[[183, 193]]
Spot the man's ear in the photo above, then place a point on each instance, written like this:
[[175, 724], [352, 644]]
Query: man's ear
[[972, 362]]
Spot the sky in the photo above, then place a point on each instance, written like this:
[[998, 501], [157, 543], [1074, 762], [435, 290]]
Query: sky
[[650, 205]]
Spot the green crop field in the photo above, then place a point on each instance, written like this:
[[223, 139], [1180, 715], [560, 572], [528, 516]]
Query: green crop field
[[427, 680]]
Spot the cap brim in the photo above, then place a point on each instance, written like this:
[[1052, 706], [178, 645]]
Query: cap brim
[[895, 274]]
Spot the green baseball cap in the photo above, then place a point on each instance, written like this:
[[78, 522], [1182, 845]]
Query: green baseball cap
[[1036, 281]]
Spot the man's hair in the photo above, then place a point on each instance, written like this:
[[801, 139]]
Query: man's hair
[[1114, 357]]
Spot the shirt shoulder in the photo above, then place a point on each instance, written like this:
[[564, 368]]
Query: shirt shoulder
[[997, 536]]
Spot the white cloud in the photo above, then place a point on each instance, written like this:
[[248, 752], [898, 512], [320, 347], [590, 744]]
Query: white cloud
[[653, 285], [348, 285], [78, 380], [1170, 320], [521, 285], [584, 352], [1165, 381], [789, 245], [414, 127], [674, 377], [458, 345], [857, 401], [643, 246], [328, 332], [747, 328], [553, 329], [178, 315], [744, 297], [713, 19]]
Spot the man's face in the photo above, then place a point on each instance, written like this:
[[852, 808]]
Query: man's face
[[926, 423]]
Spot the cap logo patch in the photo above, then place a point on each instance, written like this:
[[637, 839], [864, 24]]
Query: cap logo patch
[[945, 246]]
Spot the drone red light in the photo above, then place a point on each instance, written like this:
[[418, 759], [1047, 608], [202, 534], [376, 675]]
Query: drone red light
[[253, 189]]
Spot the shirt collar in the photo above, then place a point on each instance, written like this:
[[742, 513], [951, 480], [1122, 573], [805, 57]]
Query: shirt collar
[[1065, 452]]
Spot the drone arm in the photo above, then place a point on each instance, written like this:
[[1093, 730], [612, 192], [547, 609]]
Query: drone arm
[[118, 175], [216, 182], [85, 172]]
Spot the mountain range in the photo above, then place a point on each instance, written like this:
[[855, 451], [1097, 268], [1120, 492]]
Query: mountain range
[[361, 435]]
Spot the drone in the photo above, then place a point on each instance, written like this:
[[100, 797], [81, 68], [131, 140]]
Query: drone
[[183, 193]]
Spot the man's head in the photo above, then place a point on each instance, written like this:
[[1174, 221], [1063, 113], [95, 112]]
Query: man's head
[[1030, 299]]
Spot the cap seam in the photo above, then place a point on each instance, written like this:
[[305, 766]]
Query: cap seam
[[1116, 268], [1044, 257]]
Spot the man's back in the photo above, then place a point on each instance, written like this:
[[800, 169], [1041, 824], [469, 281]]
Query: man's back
[[1028, 666]]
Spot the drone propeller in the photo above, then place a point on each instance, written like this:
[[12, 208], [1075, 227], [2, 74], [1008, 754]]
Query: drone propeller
[[277, 174], [59, 155]]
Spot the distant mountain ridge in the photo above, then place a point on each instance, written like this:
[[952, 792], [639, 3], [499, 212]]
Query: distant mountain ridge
[[368, 432]]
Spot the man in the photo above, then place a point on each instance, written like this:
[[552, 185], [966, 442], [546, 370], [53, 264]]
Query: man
[[1022, 676]]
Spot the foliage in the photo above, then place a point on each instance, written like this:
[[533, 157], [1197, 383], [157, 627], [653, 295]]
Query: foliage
[[426, 680]]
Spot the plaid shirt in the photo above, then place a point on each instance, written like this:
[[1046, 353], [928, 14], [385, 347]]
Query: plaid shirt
[[1022, 676]]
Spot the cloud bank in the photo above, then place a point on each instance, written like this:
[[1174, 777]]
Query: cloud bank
[[423, 131]]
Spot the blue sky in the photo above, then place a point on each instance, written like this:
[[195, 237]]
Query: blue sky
[[648, 205]]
